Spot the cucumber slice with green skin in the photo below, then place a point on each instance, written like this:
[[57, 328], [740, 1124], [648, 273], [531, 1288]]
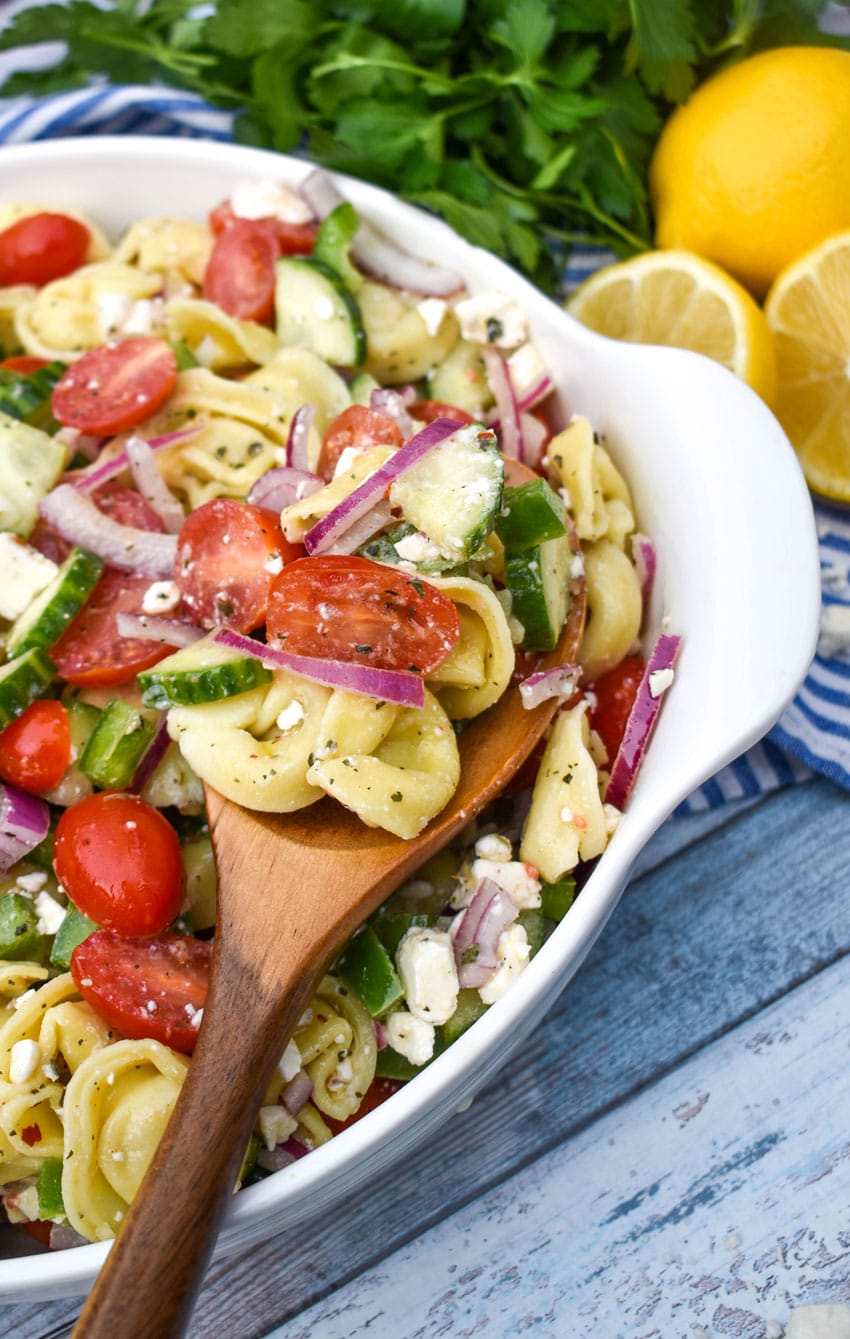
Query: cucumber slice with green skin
[[202, 672], [20, 940], [116, 745], [361, 388], [333, 244], [315, 311], [22, 396], [470, 1007], [557, 898], [30, 464], [461, 380], [383, 549], [532, 513], [74, 929], [533, 922], [454, 494], [48, 616], [389, 1064], [22, 680], [539, 582]]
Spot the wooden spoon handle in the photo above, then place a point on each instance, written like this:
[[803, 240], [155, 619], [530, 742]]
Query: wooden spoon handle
[[148, 1284]]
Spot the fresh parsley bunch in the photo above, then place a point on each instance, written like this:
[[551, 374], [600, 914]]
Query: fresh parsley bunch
[[525, 124]]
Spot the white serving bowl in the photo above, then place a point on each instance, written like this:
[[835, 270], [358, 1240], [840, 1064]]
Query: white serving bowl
[[716, 485]]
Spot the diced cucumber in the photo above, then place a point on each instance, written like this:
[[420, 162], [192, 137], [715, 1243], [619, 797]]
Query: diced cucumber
[[30, 464], [116, 745], [26, 396], [533, 922], [557, 898], [531, 514], [426, 556], [22, 680], [539, 582], [202, 672], [50, 1202], [461, 380], [390, 1065], [454, 493], [82, 720], [391, 926], [333, 244], [367, 968], [74, 929], [315, 310], [20, 938], [44, 621], [470, 1007]]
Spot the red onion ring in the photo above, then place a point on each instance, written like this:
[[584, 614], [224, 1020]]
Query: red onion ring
[[476, 939], [77, 519], [24, 821], [282, 486], [154, 628], [299, 433], [92, 479], [151, 485], [152, 756], [641, 720], [562, 681], [510, 429]]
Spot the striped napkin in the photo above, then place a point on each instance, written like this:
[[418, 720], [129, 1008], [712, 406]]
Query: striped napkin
[[812, 736]]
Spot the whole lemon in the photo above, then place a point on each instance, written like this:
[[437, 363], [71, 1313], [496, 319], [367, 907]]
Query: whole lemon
[[754, 169]]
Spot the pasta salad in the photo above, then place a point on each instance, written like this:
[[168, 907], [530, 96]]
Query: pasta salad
[[259, 530]]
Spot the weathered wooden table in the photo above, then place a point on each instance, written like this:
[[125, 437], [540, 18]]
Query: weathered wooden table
[[670, 1156]]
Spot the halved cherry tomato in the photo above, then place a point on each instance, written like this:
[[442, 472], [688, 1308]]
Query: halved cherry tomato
[[24, 363], [35, 748], [41, 247], [427, 410], [227, 555], [240, 273], [356, 426], [377, 1092], [351, 609], [39, 1229], [123, 978], [91, 651], [115, 386], [291, 239], [119, 860], [614, 695]]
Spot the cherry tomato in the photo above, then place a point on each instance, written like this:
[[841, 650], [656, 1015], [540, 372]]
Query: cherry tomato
[[427, 410], [39, 1229], [356, 426], [291, 239], [615, 693], [24, 363], [121, 978], [119, 860], [35, 748], [240, 273], [227, 555], [351, 609], [377, 1092], [90, 650], [115, 386], [41, 247]]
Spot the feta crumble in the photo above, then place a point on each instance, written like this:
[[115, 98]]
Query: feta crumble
[[410, 1036], [161, 597], [513, 952], [426, 965], [24, 1060]]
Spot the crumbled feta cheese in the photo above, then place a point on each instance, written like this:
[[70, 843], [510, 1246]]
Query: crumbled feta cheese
[[50, 913], [834, 639], [493, 847], [22, 1205], [346, 459], [273, 564], [516, 878], [269, 199], [291, 716], [513, 952], [146, 317], [613, 818], [417, 548], [24, 1060], [24, 573], [432, 311], [659, 681], [290, 1062], [161, 597], [426, 965], [410, 1036], [31, 883], [527, 368], [113, 310], [276, 1125], [492, 318]]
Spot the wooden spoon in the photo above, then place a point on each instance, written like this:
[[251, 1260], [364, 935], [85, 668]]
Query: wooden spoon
[[291, 889]]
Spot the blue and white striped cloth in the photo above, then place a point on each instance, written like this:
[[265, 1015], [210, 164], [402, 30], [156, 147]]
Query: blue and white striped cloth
[[813, 735]]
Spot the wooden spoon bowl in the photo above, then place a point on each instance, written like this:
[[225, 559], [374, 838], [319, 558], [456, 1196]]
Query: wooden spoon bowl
[[291, 889]]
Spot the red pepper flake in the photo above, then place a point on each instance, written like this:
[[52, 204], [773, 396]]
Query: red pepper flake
[[31, 1134]]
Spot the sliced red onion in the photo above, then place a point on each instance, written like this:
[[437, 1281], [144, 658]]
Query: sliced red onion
[[77, 519], [79, 443], [273, 1159], [369, 524], [507, 413], [63, 1237], [476, 939], [535, 435], [151, 485], [297, 1092], [390, 402], [644, 558], [375, 253], [154, 628], [152, 756], [657, 678], [24, 820], [299, 433], [92, 479], [327, 531], [562, 681], [381, 1040], [282, 486], [387, 685], [535, 393]]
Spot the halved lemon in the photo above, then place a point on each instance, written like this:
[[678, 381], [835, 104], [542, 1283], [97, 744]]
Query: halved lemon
[[676, 298], [808, 309]]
